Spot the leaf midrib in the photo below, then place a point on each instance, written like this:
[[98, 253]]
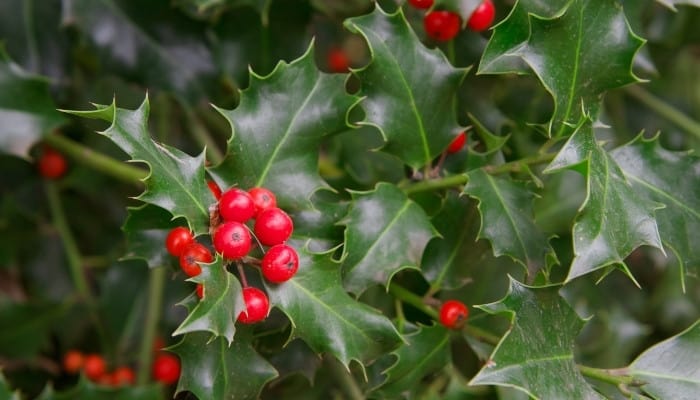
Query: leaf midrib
[[574, 78], [663, 194]]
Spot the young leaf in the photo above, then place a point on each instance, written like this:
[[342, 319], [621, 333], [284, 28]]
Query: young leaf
[[670, 368], [325, 317], [507, 220], [385, 233], [537, 354], [278, 127], [409, 89], [176, 182], [218, 370]]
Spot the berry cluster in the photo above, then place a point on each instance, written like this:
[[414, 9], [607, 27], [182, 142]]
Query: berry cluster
[[443, 25]]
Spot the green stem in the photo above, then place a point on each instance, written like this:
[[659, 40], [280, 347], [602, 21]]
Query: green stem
[[346, 381], [664, 109], [434, 184], [517, 165], [413, 299], [156, 284], [98, 161], [613, 376], [481, 334]]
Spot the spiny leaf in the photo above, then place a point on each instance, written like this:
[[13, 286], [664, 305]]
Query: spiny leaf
[[176, 182], [537, 354], [146, 228], [27, 326], [87, 390], [5, 391], [278, 127], [385, 233], [670, 368], [409, 89], [614, 219], [217, 370], [507, 220], [325, 317], [671, 4]]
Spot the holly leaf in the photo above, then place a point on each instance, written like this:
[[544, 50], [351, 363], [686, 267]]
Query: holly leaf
[[325, 317], [409, 90], [87, 390], [385, 233], [278, 127], [146, 228], [536, 355], [28, 326], [176, 182], [671, 4], [6, 392], [215, 369], [464, 8], [614, 219], [669, 369], [671, 178], [27, 111], [507, 220]]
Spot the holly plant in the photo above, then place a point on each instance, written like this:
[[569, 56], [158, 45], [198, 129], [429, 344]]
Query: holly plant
[[349, 199]]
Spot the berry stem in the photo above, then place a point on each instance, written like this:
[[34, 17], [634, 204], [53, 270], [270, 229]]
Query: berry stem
[[434, 184], [664, 109], [345, 379], [241, 272], [156, 283], [413, 299], [618, 376]]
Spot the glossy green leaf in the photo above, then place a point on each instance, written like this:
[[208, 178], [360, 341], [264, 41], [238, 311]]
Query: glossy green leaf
[[87, 390], [146, 228], [614, 218], [464, 8], [536, 355], [214, 369], [385, 233], [409, 90], [325, 317], [670, 368], [278, 127], [671, 4], [176, 182]]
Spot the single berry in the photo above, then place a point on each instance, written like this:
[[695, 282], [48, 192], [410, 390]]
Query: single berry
[[177, 240], [232, 240], [194, 253], [257, 306], [73, 361], [441, 25], [215, 189], [279, 263], [123, 376], [52, 164], [338, 61], [453, 314], [236, 205], [421, 4], [200, 290], [262, 198], [94, 366], [273, 226], [457, 143], [482, 17], [166, 368]]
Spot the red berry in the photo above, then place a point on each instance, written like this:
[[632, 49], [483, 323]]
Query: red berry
[[236, 205], [166, 368], [273, 226], [200, 290], [194, 253], [73, 361], [457, 143], [256, 304], [338, 61], [123, 376], [94, 366], [177, 240], [215, 189], [441, 25], [453, 314], [279, 263], [422, 4], [262, 198], [232, 240], [482, 17], [52, 164]]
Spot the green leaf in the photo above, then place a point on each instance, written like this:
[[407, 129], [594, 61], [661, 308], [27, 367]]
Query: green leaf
[[87, 390], [385, 233], [614, 218], [176, 182], [27, 111], [507, 220], [671, 178], [670, 368], [464, 8], [278, 127], [325, 317], [146, 228], [213, 369], [536, 355], [671, 4], [409, 90], [6, 392], [27, 327]]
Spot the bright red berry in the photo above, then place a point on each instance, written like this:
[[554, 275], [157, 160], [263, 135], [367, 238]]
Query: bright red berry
[[262, 198], [177, 240], [215, 189], [257, 306], [123, 376], [457, 143], [441, 25], [232, 240], [200, 290], [236, 205], [166, 368], [279, 263], [453, 314], [338, 61], [194, 253], [94, 366], [73, 361], [273, 226], [422, 4], [52, 164], [482, 17]]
